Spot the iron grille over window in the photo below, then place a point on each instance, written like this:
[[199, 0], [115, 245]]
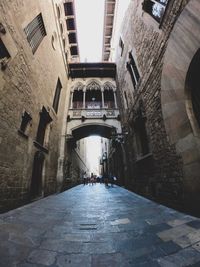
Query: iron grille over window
[[133, 70], [57, 95], [155, 8], [35, 32]]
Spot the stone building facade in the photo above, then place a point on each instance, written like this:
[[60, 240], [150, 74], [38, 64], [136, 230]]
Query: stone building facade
[[75, 163], [157, 62], [93, 110], [33, 95]]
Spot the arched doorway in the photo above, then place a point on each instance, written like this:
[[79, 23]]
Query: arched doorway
[[36, 179], [193, 92], [178, 88]]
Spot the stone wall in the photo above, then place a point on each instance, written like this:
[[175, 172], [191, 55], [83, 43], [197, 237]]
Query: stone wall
[[27, 84], [160, 174]]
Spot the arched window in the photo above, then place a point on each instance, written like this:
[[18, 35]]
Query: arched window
[[93, 96], [109, 100], [193, 85], [78, 99], [93, 99]]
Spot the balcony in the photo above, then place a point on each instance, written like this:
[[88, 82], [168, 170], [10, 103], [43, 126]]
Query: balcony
[[95, 113]]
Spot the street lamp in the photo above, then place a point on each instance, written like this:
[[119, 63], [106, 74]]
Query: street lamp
[[105, 167], [104, 157], [119, 137]]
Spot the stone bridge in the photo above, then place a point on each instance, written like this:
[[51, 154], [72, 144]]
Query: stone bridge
[[93, 105]]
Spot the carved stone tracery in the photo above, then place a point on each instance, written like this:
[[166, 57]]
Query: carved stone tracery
[[79, 86], [93, 86]]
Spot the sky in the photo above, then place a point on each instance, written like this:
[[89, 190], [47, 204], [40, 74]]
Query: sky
[[93, 152], [89, 19]]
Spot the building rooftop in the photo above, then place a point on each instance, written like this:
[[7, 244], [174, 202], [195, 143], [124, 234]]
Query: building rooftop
[[109, 16]]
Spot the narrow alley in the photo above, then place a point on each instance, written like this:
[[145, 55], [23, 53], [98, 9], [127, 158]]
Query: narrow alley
[[98, 226], [95, 92]]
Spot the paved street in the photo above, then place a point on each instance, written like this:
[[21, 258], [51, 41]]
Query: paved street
[[98, 226]]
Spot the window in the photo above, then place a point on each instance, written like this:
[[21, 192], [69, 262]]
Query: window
[[78, 99], [26, 118], [121, 44], [109, 101], [141, 137], [70, 24], [74, 50], [93, 99], [4, 55], [68, 7], [155, 8], [126, 99], [45, 119], [142, 142], [133, 70], [57, 95], [35, 32], [3, 50]]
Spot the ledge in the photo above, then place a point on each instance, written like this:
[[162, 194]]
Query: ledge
[[20, 132], [144, 157], [38, 145]]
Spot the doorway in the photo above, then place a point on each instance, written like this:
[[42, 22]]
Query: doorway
[[36, 179]]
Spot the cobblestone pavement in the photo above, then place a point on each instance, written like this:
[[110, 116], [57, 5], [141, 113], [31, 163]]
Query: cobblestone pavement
[[98, 226]]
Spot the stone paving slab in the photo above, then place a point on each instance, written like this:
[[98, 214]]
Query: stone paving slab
[[98, 227]]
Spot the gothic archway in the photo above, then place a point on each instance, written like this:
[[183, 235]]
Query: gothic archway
[[175, 98]]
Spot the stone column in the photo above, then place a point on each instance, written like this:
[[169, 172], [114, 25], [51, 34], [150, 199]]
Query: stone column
[[115, 99], [71, 103], [102, 96], [84, 92]]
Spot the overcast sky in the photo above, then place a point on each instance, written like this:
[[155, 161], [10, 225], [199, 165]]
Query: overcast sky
[[89, 18], [93, 152]]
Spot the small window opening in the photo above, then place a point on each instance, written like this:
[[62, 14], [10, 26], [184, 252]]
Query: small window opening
[[25, 123], [133, 70], [155, 8], [57, 95], [121, 45], [126, 99], [3, 50], [68, 7], [4, 55], [45, 119]]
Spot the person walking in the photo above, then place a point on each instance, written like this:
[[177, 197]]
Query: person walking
[[84, 178], [92, 178]]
